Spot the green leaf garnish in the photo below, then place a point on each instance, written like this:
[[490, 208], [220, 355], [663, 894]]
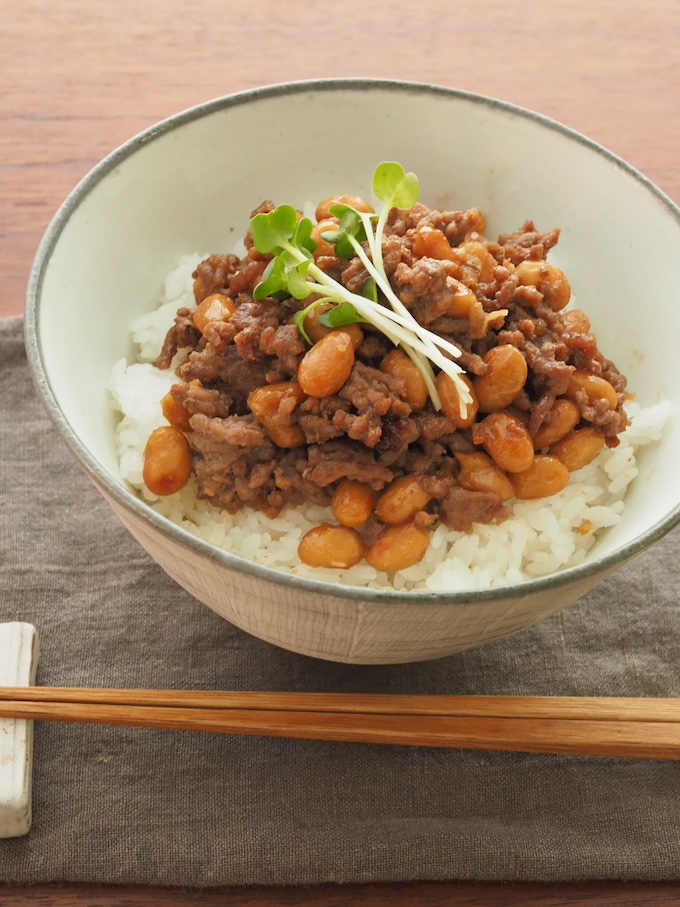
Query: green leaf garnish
[[299, 322], [302, 236], [299, 317], [274, 279], [273, 230], [344, 313], [297, 280], [294, 271], [350, 220], [351, 231], [395, 187], [370, 290]]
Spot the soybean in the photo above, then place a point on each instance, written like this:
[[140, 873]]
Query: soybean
[[327, 365], [352, 503], [432, 243], [397, 363], [401, 500], [577, 321], [507, 441], [216, 307], [479, 473], [463, 302], [504, 378], [546, 476], [562, 416], [548, 280], [167, 461], [175, 413], [266, 402], [478, 265], [593, 386], [579, 448], [331, 546], [448, 394], [324, 249], [398, 548]]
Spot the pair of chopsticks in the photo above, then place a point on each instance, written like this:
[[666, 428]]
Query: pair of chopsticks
[[605, 726]]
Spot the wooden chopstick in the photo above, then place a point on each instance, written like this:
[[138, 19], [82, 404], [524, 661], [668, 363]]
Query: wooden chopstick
[[601, 708], [589, 726]]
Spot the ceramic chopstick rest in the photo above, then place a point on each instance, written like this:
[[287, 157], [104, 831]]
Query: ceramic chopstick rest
[[18, 662]]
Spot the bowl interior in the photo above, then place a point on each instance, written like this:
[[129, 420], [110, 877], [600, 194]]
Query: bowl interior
[[190, 184]]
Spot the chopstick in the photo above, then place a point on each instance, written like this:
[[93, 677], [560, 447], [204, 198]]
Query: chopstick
[[587, 726]]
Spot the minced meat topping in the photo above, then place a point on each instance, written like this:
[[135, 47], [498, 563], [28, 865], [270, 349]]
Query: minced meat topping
[[272, 422]]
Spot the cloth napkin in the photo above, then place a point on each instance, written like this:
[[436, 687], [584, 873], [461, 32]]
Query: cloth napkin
[[118, 805]]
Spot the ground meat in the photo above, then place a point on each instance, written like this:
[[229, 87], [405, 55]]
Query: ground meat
[[248, 276], [242, 376], [369, 388], [526, 243], [550, 372], [294, 487], [458, 507], [455, 225], [425, 458], [195, 399], [432, 426], [285, 344], [213, 275], [354, 276], [226, 450], [335, 460], [371, 429], [251, 324], [318, 428], [316, 417], [374, 347], [396, 439], [182, 334], [539, 412], [396, 252]]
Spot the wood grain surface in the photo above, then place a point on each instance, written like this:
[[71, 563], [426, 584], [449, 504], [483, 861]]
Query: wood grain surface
[[79, 78], [422, 894]]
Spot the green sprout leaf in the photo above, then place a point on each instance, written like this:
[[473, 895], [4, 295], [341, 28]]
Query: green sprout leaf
[[274, 230], [299, 322], [345, 313], [351, 225], [302, 236], [344, 248], [274, 279], [297, 280], [351, 222], [394, 187], [370, 289], [299, 317]]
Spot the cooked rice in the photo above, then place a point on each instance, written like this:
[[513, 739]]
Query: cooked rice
[[538, 538]]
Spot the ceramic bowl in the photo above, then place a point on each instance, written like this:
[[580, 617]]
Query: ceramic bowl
[[190, 183]]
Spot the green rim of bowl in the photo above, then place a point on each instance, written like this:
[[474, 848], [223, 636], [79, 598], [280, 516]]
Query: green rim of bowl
[[128, 500]]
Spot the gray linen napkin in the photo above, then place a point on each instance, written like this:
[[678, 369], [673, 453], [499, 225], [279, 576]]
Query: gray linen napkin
[[179, 808]]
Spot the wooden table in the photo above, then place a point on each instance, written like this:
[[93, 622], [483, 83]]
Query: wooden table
[[78, 78]]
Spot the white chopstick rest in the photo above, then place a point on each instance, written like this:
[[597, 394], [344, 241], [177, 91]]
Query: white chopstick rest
[[18, 662]]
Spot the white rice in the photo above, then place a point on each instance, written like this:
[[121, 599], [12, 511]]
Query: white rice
[[538, 538]]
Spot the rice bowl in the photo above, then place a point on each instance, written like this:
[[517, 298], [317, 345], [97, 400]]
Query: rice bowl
[[124, 214]]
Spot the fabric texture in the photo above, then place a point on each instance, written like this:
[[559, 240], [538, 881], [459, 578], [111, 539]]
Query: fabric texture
[[117, 805]]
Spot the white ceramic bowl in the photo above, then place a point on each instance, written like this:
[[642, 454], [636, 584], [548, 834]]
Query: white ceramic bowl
[[189, 184]]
